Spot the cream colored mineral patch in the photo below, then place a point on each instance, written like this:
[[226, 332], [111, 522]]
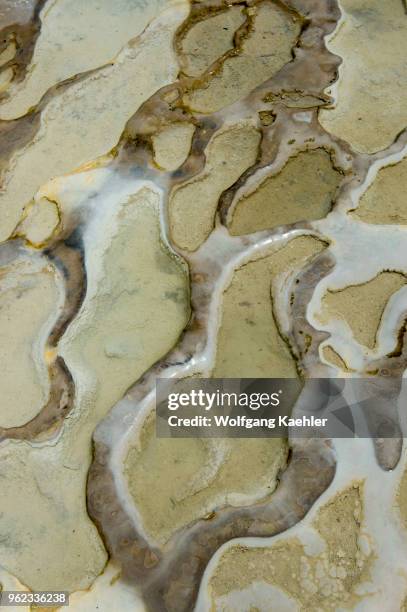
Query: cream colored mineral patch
[[370, 107], [266, 49], [192, 206], [362, 306], [304, 189]]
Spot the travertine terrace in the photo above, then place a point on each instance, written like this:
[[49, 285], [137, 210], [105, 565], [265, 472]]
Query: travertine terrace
[[200, 188]]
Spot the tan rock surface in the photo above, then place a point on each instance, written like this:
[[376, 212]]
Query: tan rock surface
[[372, 41]]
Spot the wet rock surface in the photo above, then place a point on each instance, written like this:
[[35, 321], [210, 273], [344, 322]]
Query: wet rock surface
[[208, 188]]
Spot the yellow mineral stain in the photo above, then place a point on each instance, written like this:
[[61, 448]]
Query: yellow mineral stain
[[401, 499], [108, 592], [50, 355]]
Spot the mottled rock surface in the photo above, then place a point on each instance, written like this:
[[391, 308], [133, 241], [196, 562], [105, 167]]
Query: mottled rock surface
[[196, 189]]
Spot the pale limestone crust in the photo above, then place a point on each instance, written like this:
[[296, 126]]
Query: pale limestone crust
[[175, 484], [133, 314], [370, 108], [193, 206], [304, 189], [209, 39], [266, 50], [86, 119], [172, 145], [362, 306], [385, 200], [321, 581], [28, 298], [75, 37]]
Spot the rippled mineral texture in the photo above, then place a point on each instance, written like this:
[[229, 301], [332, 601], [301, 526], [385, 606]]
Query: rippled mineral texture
[[200, 188]]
